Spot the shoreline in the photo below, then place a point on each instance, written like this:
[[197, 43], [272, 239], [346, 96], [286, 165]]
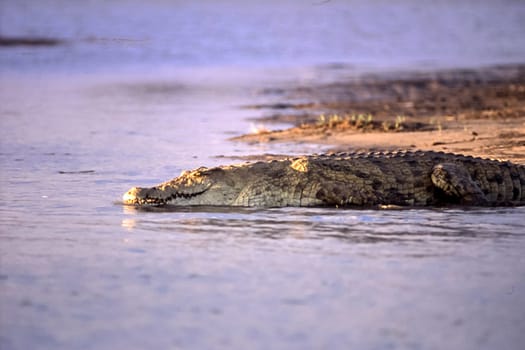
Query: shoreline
[[478, 112]]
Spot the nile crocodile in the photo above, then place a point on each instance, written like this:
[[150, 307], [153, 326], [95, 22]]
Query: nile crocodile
[[345, 179]]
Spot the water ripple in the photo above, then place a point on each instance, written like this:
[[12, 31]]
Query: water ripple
[[354, 226]]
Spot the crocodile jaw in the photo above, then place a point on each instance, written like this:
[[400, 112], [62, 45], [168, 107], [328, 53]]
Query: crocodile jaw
[[156, 196]]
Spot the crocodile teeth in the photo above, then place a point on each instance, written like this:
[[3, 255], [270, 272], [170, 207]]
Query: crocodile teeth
[[185, 195]]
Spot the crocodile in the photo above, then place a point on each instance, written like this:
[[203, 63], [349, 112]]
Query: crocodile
[[402, 178]]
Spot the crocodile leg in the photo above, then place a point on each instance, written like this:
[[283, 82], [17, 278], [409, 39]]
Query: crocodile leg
[[455, 181]]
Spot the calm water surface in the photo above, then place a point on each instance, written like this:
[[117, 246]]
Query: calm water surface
[[135, 102]]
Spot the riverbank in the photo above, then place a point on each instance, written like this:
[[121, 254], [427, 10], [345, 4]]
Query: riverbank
[[479, 112]]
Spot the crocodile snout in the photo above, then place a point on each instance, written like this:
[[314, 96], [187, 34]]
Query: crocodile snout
[[144, 196], [131, 197]]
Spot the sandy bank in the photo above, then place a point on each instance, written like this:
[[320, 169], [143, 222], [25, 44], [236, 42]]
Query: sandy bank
[[477, 112]]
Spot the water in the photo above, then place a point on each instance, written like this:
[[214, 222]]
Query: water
[[136, 101], [126, 34]]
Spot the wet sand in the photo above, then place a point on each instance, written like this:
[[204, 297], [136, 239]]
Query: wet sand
[[477, 112]]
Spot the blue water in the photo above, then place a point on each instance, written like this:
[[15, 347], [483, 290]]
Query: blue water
[[139, 92]]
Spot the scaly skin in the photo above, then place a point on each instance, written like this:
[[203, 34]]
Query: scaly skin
[[345, 179]]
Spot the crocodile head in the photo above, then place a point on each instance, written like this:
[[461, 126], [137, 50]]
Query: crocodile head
[[202, 186]]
